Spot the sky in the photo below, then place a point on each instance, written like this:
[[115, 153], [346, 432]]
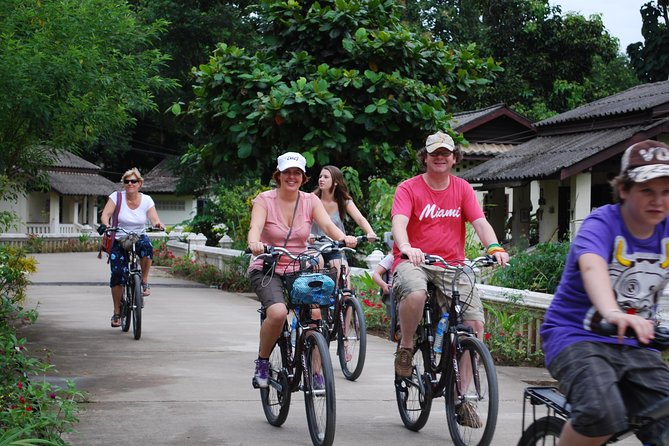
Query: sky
[[621, 17]]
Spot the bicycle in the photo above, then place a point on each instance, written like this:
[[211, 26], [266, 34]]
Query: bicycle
[[132, 300], [344, 320], [547, 429], [292, 368], [435, 375]]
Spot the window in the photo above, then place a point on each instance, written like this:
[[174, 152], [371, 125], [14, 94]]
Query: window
[[162, 205]]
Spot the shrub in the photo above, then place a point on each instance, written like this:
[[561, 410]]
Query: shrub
[[539, 270], [30, 407], [376, 316]]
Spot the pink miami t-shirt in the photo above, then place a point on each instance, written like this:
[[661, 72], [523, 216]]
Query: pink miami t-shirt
[[275, 231], [436, 218]]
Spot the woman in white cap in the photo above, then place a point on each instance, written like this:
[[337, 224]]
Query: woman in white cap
[[282, 217]]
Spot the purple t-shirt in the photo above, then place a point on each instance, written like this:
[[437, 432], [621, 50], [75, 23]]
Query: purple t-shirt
[[637, 268]]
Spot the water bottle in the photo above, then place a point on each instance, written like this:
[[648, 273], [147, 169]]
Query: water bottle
[[441, 328], [293, 331]]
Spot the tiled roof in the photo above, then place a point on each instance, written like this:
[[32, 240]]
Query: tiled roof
[[161, 179], [639, 98], [70, 183], [67, 160], [463, 118], [546, 156], [485, 149]]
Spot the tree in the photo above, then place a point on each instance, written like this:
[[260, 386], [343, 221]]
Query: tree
[[71, 72], [546, 56], [343, 82], [650, 59]]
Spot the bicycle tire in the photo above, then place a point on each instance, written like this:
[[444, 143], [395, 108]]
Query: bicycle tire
[[125, 308], [355, 339], [275, 398], [480, 394], [320, 404], [414, 394], [136, 304], [543, 432]]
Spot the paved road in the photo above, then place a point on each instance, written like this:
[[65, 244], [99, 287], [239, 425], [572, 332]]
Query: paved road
[[188, 380]]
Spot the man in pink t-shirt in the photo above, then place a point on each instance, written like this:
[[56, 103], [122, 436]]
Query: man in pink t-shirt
[[428, 216]]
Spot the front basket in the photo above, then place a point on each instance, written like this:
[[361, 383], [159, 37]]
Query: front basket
[[310, 287]]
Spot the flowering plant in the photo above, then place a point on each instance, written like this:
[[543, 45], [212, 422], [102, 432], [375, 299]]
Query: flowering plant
[[376, 315]]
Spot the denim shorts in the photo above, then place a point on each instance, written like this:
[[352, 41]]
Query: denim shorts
[[118, 261], [409, 278], [605, 382]]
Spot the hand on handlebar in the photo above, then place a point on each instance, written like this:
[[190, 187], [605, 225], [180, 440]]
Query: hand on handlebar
[[502, 258], [256, 248], [644, 328], [415, 255], [350, 241]]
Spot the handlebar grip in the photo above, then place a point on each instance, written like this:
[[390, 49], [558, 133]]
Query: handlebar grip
[[660, 342]]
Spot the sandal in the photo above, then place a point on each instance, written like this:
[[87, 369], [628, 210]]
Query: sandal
[[146, 289], [116, 320]]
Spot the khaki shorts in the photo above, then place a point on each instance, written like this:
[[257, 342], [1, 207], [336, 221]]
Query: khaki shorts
[[409, 278]]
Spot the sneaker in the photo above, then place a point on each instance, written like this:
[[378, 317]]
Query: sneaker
[[467, 415], [403, 366], [319, 382], [262, 372]]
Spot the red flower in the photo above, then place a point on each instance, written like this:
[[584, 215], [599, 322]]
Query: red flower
[[488, 336], [52, 396], [362, 293], [19, 385], [29, 409], [368, 302], [21, 399]]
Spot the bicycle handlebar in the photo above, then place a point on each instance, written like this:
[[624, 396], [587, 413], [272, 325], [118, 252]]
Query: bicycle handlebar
[[431, 259], [335, 245], [660, 342]]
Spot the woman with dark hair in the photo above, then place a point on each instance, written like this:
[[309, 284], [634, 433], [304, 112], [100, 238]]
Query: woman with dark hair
[[336, 199]]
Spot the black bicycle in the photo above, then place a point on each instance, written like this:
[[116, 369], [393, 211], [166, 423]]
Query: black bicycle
[[546, 429], [464, 372], [132, 300], [294, 367], [345, 319]]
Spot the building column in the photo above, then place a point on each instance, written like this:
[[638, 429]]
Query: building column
[[75, 212], [548, 223], [522, 208], [496, 212], [54, 213], [581, 188]]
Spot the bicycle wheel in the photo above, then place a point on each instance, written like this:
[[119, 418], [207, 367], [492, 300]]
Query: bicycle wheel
[[319, 391], [275, 398], [414, 394], [472, 412], [125, 307], [352, 339], [137, 301], [543, 432]]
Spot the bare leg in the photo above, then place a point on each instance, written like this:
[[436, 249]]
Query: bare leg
[[465, 361], [271, 328], [570, 437], [145, 264], [411, 312], [117, 293]]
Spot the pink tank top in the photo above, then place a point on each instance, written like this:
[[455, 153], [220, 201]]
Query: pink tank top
[[275, 231]]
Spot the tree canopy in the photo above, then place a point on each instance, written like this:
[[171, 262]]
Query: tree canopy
[[650, 58], [72, 72], [343, 82], [548, 58]]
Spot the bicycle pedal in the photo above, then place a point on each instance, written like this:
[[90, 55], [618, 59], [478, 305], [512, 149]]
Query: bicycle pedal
[[254, 383]]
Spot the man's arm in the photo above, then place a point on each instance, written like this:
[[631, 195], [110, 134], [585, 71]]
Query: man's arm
[[401, 240], [597, 283], [487, 236]]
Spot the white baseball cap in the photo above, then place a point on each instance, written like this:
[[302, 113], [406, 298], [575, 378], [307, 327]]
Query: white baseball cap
[[291, 159], [439, 140]]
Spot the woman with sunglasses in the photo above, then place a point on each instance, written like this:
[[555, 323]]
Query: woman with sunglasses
[[136, 209]]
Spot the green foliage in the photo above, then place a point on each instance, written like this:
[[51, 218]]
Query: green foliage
[[72, 72], [537, 270], [344, 83], [381, 196], [473, 247], [32, 411], [367, 291], [507, 335], [650, 59], [547, 57]]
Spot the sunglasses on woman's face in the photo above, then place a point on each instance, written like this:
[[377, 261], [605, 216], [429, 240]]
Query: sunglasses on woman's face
[[130, 181]]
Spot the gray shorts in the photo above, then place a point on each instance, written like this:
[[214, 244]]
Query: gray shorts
[[605, 382], [268, 288], [409, 278]]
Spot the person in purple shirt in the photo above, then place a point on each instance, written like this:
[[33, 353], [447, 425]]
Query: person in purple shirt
[[616, 269]]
